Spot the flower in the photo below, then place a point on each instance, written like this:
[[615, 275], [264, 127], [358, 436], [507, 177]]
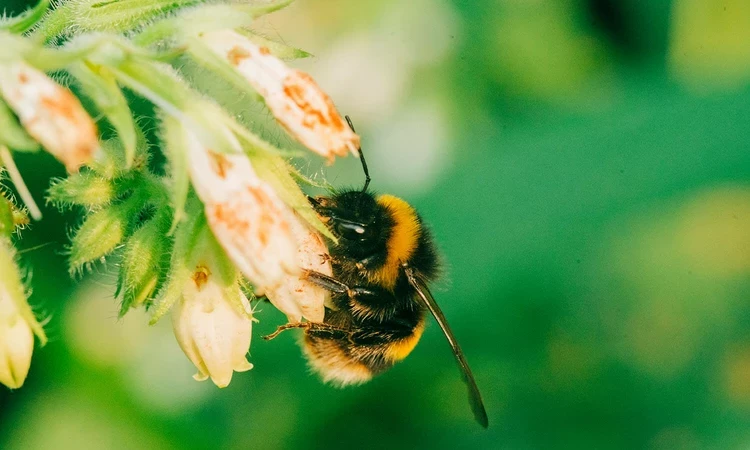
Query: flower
[[16, 342], [295, 296], [50, 113], [210, 329], [17, 322], [247, 217], [293, 97]]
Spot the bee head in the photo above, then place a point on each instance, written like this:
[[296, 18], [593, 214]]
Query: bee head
[[359, 222]]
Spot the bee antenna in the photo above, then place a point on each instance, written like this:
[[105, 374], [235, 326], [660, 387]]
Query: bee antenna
[[361, 157]]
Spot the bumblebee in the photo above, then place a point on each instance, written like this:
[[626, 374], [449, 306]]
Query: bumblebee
[[382, 263]]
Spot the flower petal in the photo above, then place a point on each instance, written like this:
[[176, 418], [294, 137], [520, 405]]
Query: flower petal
[[210, 330], [293, 97], [295, 296], [50, 113], [246, 215], [16, 343]]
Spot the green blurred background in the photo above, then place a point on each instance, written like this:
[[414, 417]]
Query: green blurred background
[[585, 167]]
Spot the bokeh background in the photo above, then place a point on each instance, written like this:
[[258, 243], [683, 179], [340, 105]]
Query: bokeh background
[[585, 167]]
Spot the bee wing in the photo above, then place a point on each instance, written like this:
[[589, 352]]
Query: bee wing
[[475, 398]]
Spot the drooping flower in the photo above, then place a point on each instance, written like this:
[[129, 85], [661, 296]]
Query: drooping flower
[[16, 343], [210, 328], [17, 322], [294, 98], [51, 114], [247, 217], [295, 296]]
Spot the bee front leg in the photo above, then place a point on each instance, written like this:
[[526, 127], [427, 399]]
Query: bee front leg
[[326, 282], [307, 326]]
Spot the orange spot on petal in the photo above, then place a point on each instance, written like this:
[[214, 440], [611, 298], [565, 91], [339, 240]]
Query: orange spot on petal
[[236, 55], [301, 89]]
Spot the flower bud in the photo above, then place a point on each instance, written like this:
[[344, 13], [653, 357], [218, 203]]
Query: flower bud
[[143, 263], [104, 229], [210, 329], [295, 296], [50, 113], [6, 217], [100, 233], [293, 97], [246, 215], [83, 189]]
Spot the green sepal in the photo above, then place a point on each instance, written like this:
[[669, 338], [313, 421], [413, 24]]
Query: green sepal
[[207, 58], [180, 269], [86, 189], [208, 251], [111, 163], [278, 49], [115, 16], [267, 8], [163, 87], [192, 21], [7, 225], [173, 137], [27, 19], [276, 172], [103, 230], [144, 263], [100, 86], [12, 134], [10, 280], [301, 178]]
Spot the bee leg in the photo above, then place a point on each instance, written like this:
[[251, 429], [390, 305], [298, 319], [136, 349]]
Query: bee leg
[[308, 326], [328, 283], [285, 327]]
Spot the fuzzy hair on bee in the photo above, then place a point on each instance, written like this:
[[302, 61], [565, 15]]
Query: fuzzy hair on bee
[[382, 263]]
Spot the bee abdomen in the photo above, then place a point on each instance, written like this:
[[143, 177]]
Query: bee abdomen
[[334, 363], [363, 355]]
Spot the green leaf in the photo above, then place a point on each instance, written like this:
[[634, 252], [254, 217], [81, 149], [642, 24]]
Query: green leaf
[[12, 134], [100, 86]]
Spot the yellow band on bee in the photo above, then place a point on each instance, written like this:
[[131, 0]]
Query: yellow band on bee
[[401, 349], [402, 242]]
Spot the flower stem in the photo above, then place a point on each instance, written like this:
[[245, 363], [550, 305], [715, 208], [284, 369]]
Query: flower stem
[[15, 176]]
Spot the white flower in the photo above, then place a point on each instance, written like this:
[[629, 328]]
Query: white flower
[[293, 97], [17, 322], [211, 330], [247, 217], [50, 113], [295, 296], [16, 343]]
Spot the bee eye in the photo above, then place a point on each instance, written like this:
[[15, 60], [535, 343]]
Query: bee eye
[[352, 231]]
